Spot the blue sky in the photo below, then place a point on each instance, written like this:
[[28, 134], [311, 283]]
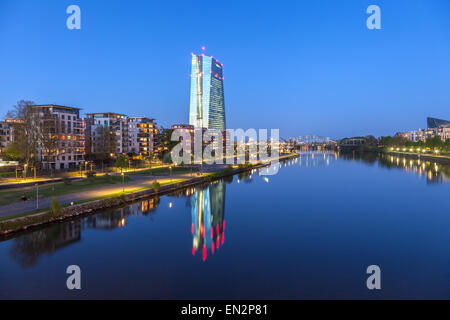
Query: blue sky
[[306, 67]]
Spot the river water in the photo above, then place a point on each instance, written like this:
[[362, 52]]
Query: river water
[[308, 232]]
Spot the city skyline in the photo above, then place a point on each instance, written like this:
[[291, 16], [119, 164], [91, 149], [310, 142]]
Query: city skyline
[[130, 170], [311, 71]]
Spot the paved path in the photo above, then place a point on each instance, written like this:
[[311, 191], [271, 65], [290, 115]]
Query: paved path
[[12, 183], [137, 182]]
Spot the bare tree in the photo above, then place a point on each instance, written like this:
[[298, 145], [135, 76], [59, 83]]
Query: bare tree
[[24, 135], [104, 143], [34, 132]]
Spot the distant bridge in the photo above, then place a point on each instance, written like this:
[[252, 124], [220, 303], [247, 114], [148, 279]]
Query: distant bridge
[[315, 140]]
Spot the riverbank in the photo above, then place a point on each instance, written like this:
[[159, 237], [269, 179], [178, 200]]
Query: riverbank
[[33, 220], [415, 156]]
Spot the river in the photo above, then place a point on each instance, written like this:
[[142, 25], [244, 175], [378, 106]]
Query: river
[[308, 232]]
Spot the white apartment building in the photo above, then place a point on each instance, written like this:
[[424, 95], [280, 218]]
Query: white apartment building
[[141, 135], [115, 122], [66, 131]]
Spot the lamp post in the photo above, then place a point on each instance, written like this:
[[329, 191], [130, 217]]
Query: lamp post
[[123, 183], [25, 171], [37, 195]]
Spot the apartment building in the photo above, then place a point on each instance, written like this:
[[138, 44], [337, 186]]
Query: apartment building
[[141, 136], [63, 144], [99, 123], [5, 136]]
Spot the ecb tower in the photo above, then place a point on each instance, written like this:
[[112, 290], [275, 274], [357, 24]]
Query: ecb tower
[[207, 106]]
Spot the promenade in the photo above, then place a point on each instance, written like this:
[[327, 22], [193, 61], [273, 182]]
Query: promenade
[[138, 182]]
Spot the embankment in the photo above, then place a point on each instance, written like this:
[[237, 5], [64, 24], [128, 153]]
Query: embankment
[[37, 220]]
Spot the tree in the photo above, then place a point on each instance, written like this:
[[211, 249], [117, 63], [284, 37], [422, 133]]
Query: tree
[[164, 143], [371, 140], [447, 144], [105, 143], [24, 130], [435, 142], [121, 162], [34, 132], [13, 152]]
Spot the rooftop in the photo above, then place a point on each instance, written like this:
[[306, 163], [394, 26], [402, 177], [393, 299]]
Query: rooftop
[[106, 113], [54, 106]]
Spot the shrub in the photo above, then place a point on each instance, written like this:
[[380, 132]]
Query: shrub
[[91, 174], [67, 180], [55, 207], [156, 186]]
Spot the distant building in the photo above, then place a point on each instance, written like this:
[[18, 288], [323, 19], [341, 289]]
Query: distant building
[[187, 130], [437, 123], [65, 130], [141, 136], [5, 136], [115, 122], [207, 105], [436, 127]]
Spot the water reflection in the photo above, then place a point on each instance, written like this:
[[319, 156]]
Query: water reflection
[[28, 249], [208, 219], [433, 172], [118, 218], [316, 159], [206, 205]]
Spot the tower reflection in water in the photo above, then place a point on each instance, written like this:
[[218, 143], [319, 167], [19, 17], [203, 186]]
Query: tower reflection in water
[[208, 220]]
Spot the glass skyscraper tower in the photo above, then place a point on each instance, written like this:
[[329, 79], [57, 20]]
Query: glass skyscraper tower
[[207, 107]]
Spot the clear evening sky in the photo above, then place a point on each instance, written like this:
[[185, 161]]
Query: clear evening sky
[[306, 67]]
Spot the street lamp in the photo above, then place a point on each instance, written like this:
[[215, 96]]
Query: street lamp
[[123, 182], [37, 195]]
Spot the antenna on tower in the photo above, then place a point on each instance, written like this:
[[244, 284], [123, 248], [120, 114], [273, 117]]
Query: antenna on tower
[[203, 50]]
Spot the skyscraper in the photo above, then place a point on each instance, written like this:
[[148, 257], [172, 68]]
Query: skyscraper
[[207, 107]]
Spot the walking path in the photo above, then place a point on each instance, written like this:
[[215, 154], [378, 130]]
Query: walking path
[[9, 183], [17, 208]]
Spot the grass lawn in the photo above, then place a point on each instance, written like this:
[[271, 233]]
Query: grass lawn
[[7, 197], [89, 200], [7, 174], [163, 171]]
